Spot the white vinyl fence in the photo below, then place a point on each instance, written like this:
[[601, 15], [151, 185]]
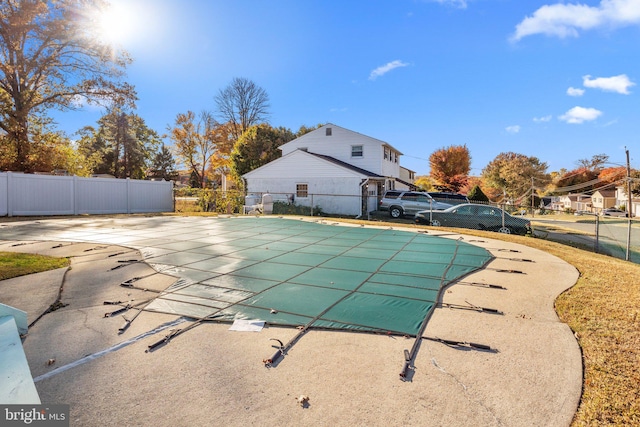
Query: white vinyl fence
[[26, 194]]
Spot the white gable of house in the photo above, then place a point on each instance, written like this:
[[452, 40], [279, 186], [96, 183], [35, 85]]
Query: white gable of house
[[376, 156], [317, 141], [300, 164]]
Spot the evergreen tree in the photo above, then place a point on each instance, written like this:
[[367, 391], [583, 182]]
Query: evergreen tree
[[194, 180], [163, 165], [122, 145], [477, 195]]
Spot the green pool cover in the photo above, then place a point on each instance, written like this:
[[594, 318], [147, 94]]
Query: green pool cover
[[301, 273]]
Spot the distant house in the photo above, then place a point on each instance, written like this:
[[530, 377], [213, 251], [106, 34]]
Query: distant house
[[575, 202], [406, 180], [603, 199], [339, 170], [623, 200]]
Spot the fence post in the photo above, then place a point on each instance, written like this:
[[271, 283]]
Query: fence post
[[9, 195], [597, 248], [128, 196], [311, 205], [75, 195]]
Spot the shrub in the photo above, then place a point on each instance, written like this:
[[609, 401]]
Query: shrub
[[283, 208], [221, 201]]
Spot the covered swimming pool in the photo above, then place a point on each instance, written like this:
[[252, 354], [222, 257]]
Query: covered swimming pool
[[283, 271], [294, 273]]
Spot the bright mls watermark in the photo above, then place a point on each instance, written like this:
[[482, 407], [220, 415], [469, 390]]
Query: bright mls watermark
[[34, 415]]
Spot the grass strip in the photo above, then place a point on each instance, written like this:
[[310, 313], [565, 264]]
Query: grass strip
[[14, 264]]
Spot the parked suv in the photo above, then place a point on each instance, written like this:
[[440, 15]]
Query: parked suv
[[400, 203], [450, 198]]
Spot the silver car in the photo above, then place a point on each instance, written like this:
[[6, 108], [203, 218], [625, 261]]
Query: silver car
[[614, 212], [400, 203]]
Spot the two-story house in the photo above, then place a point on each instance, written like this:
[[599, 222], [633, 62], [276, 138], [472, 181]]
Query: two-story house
[[336, 169], [575, 202], [622, 199], [603, 199]]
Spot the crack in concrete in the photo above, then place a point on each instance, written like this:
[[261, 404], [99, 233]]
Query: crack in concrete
[[435, 363]]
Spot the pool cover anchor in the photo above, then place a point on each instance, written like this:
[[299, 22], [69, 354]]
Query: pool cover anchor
[[129, 283], [175, 332], [276, 355], [118, 311], [283, 348], [127, 322], [409, 356], [517, 259], [458, 343], [471, 307], [482, 285], [506, 270]]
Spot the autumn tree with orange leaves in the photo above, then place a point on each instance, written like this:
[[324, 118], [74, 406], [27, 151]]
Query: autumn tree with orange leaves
[[450, 167], [202, 144]]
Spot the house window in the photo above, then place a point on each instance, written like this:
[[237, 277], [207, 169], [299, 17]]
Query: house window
[[356, 151], [302, 190], [328, 131], [395, 158], [386, 153]]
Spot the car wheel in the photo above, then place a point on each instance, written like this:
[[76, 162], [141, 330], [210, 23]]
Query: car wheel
[[395, 212], [435, 223], [505, 230]]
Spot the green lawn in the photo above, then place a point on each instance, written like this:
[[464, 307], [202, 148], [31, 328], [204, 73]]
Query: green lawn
[[17, 264]]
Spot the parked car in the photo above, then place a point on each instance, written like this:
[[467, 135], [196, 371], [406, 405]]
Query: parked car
[[400, 203], [477, 217], [449, 198], [614, 212]]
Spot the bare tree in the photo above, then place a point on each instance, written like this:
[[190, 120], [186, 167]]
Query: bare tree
[[596, 162], [51, 57], [242, 104]]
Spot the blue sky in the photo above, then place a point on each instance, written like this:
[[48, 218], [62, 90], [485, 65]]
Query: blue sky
[[555, 80]]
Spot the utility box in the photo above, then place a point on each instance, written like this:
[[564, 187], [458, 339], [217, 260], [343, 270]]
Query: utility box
[[267, 204]]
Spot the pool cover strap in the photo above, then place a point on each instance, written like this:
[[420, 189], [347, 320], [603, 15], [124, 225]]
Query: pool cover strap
[[416, 344]]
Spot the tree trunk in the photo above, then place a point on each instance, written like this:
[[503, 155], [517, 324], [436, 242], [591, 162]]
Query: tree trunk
[[20, 136]]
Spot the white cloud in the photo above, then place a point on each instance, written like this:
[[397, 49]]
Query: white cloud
[[513, 129], [461, 4], [384, 69], [542, 119], [619, 84], [573, 91], [578, 115], [567, 20]]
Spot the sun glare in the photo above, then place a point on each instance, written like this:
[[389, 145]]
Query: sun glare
[[114, 24]]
